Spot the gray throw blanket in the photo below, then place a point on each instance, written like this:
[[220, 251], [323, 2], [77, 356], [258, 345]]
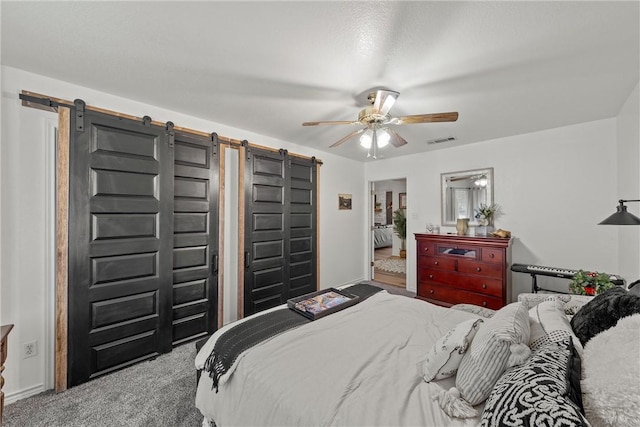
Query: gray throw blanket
[[245, 335]]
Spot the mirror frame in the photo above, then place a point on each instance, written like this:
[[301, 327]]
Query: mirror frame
[[444, 177]]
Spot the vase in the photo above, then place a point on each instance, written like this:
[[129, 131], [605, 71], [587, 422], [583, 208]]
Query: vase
[[481, 230], [462, 225]]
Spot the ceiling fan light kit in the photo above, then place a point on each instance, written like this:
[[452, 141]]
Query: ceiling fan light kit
[[381, 136], [366, 138], [376, 119]]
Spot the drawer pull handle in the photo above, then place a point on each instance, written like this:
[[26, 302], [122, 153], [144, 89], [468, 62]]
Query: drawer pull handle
[[431, 277], [484, 286], [484, 303], [430, 291], [492, 255], [426, 249], [478, 269], [436, 263]]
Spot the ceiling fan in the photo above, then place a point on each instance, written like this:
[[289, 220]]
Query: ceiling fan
[[376, 120]]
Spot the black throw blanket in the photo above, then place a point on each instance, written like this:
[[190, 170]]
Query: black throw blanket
[[245, 335]]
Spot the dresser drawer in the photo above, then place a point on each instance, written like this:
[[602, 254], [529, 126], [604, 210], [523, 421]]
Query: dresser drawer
[[425, 248], [442, 263], [492, 255], [452, 296], [481, 268], [458, 251], [483, 285]]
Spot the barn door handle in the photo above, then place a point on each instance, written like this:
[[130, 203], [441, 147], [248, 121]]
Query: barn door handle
[[214, 263], [246, 259]]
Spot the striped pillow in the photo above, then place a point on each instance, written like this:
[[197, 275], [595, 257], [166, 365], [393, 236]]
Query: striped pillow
[[500, 343]]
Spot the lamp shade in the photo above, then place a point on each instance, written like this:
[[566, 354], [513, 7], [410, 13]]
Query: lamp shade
[[383, 138], [366, 138], [622, 217]]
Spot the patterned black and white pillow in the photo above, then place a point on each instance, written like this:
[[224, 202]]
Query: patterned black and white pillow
[[536, 392]]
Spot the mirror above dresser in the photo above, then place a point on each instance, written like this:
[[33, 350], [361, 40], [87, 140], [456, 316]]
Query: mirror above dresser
[[463, 192]]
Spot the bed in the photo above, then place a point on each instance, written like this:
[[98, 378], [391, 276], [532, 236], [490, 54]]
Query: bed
[[382, 236], [368, 365]]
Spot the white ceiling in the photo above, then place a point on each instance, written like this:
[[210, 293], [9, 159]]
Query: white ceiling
[[508, 68]]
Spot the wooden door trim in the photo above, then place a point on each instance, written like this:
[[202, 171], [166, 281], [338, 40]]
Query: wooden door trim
[[241, 234], [62, 249], [317, 195], [221, 225]]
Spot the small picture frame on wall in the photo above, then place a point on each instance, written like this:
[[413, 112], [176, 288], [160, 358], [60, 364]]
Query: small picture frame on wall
[[402, 200], [344, 202]]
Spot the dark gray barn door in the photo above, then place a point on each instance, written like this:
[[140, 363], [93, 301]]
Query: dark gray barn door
[[280, 228], [302, 226], [195, 241], [120, 244]]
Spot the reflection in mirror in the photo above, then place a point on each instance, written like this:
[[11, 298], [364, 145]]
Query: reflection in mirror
[[463, 192]]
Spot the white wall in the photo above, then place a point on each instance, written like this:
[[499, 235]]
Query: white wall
[[25, 279], [628, 187], [553, 186]]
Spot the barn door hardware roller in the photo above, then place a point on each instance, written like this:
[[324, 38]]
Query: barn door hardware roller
[[79, 107]]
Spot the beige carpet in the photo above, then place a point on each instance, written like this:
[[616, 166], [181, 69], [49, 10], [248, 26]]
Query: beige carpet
[[392, 264]]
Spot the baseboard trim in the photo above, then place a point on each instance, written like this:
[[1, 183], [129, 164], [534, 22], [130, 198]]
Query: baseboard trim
[[350, 282], [10, 398]]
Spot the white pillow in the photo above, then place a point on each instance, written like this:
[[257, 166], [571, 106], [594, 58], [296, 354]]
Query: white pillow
[[575, 303], [610, 375], [501, 342], [530, 300], [549, 323], [571, 303], [446, 354], [475, 309]]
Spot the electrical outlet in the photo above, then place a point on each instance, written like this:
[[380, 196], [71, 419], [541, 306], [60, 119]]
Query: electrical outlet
[[30, 349]]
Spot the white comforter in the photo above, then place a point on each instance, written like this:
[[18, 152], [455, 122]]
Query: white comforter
[[357, 367]]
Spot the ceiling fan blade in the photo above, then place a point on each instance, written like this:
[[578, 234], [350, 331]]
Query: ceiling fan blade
[[351, 135], [384, 101], [396, 140], [337, 122], [425, 118]]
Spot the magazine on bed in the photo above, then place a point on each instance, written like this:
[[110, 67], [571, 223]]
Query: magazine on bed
[[321, 303]]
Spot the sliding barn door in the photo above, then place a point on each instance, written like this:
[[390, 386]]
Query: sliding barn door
[[280, 228], [120, 244], [195, 239], [303, 221]]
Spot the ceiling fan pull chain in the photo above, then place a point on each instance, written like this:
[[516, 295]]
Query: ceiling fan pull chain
[[374, 144]]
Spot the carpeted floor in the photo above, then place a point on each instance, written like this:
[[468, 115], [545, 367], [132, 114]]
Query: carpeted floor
[[394, 289], [155, 393]]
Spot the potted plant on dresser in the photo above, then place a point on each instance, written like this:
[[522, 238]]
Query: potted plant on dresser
[[400, 228]]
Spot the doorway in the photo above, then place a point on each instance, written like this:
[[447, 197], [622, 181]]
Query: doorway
[[388, 260]]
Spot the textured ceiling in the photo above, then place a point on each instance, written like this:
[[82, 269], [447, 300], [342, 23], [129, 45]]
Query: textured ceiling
[[507, 67]]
